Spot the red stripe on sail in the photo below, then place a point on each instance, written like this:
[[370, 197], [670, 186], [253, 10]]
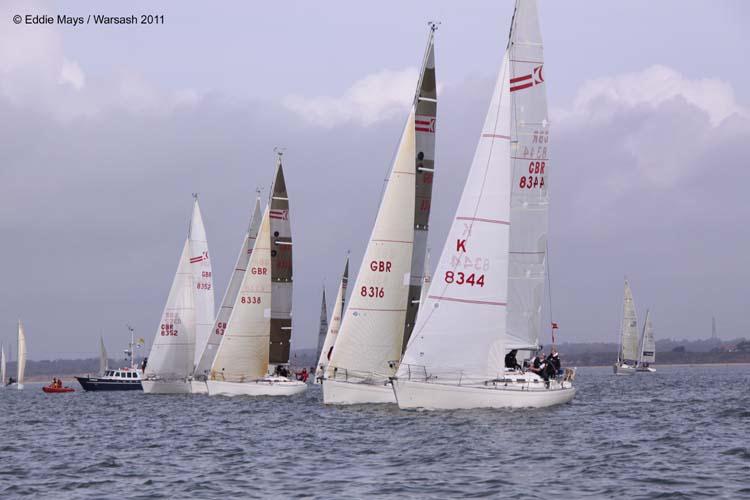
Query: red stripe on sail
[[194, 260], [520, 78], [422, 129], [467, 301], [521, 87], [496, 136], [479, 219]]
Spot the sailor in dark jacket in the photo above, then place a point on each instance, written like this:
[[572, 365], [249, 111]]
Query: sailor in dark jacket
[[510, 361]]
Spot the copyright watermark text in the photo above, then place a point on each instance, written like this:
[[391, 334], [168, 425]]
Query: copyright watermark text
[[66, 20]]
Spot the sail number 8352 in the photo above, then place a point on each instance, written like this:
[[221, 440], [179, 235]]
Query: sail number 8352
[[459, 278]]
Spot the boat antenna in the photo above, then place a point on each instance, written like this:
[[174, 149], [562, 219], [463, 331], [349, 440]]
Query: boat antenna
[[131, 346]]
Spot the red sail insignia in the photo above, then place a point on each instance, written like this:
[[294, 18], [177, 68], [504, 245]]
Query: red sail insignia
[[424, 123], [523, 82]]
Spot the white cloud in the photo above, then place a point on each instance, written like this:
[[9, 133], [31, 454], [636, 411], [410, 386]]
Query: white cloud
[[72, 74], [374, 98]]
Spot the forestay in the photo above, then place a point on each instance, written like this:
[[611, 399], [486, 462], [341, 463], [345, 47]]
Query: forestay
[[372, 331], [243, 352], [230, 296], [281, 269], [203, 288], [629, 340], [648, 344], [332, 331]]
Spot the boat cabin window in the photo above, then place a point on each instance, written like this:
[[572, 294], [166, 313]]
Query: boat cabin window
[[118, 374]]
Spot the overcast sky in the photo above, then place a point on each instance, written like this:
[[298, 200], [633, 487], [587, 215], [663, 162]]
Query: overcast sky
[[105, 131]]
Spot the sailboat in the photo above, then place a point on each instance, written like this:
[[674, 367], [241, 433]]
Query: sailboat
[[2, 366], [254, 351], [103, 358], [187, 315], [21, 365], [486, 298], [627, 355], [385, 298], [329, 342], [127, 378], [647, 352], [203, 368], [323, 326]]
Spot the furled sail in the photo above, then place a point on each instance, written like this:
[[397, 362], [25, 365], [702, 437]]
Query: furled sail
[[243, 352], [372, 330], [629, 339], [425, 105], [333, 327], [103, 359], [203, 287], [648, 344], [21, 366], [323, 328], [281, 270], [207, 358], [463, 328]]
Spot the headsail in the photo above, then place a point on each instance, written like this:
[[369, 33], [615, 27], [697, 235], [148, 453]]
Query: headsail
[[203, 287], [2, 366], [243, 352], [103, 359], [323, 328], [629, 329], [21, 366], [332, 331], [463, 328], [648, 344], [207, 358], [281, 269], [425, 105], [426, 279]]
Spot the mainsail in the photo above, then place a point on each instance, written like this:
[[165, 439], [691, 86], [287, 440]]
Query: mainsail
[[425, 106], [484, 297], [372, 330], [103, 360], [648, 344], [323, 328], [2, 365], [426, 279], [281, 269], [329, 342], [629, 329], [243, 352], [21, 366], [203, 288], [230, 296]]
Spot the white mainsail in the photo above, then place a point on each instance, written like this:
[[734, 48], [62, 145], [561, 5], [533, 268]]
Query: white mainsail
[[281, 269], [244, 349], [2, 366], [648, 344], [203, 288], [426, 279], [485, 297], [103, 359], [323, 325], [21, 366], [173, 349], [629, 328], [230, 296], [332, 331], [372, 331], [425, 107]]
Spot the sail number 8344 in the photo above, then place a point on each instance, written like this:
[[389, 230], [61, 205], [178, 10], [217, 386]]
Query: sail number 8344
[[459, 278], [535, 179]]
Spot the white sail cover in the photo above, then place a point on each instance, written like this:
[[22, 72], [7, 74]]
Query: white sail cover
[[648, 344], [172, 352], [203, 286], [103, 359], [530, 168], [426, 279], [372, 330], [243, 352], [462, 329], [21, 367], [332, 331], [629, 338], [230, 296], [323, 326], [2, 366]]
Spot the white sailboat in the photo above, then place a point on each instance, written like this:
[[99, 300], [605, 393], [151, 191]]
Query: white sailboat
[[21, 366], [486, 297], [627, 355], [103, 358], [647, 352], [323, 325], [329, 342], [203, 368], [258, 333], [370, 343], [2, 366], [172, 357]]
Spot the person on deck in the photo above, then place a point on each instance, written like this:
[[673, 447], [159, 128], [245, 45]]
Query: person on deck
[[536, 364], [54, 382], [511, 362], [554, 362]]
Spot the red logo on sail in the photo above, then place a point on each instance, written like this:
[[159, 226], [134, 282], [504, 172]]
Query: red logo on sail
[[279, 214], [424, 123], [200, 258], [523, 82]]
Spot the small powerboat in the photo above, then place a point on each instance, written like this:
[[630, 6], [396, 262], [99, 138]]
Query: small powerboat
[[54, 390]]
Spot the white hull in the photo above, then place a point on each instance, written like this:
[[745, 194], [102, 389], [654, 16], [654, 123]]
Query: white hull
[[623, 369], [263, 387], [337, 392], [414, 395], [166, 386], [19, 387], [646, 369], [198, 387]]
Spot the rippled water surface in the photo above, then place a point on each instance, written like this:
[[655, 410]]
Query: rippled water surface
[[679, 433]]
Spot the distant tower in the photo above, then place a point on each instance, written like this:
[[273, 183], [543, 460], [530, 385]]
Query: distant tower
[[713, 328]]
